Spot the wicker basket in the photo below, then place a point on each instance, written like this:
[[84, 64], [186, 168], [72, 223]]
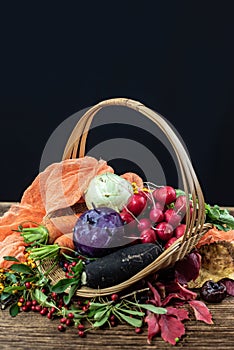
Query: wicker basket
[[195, 227]]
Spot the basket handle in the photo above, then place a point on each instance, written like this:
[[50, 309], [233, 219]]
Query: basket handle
[[78, 137]]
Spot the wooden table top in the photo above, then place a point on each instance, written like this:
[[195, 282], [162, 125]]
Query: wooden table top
[[33, 331]]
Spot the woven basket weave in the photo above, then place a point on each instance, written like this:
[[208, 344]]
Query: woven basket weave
[[195, 227]]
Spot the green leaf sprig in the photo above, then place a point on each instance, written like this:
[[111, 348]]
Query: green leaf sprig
[[221, 218]]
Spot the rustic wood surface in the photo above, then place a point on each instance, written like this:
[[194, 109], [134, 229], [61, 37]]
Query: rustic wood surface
[[32, 331]]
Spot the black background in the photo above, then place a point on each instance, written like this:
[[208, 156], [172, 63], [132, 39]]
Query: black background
[[176, 57]]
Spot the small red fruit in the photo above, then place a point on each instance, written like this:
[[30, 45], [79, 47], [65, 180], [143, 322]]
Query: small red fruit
[[156, 215], [25, 308], [148, 236], [69, 322], [63, 320], [34, 302], [21, 300], [44, 311], [81, 327], [137, 203], [172, 217], [61, 328], [138, 330], [28, 285], [49, 315], [70, 315], [38, 308], [114, 297], [144, 224], [81, 334], [165, 195], [170, 242], [164, 231], [180, 230]]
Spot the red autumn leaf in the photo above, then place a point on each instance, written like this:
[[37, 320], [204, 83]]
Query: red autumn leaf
[[229, 284], [188, 268], [201, 311], [180, 314], [171, 328], [153, 325], [181, 294], [157, 298]]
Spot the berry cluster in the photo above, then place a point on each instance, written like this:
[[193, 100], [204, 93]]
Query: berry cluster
[[156, 216]]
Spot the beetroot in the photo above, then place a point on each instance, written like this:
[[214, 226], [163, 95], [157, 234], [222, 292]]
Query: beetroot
[[165, 195]]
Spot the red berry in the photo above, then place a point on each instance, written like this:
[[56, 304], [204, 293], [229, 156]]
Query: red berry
[[112, 318], [21, 300], [180, 230], [69, 322], [50, 315], [138, 330], [114, 297], [61, 328], [74, 263], [85, 308], [113, 323], [28, 303], [165, 195], [156, 215], [53, 309], [28, 285], [81, 334], [80, 327], [70, 315], [54, 296], [34, 302], [43, 290], [25, 308], [38, 308], [170, 242], [137, 203], [143, 224], [148, 236], [63, 320], [164, 231], [66, 265], [172, 217], [44, 311]]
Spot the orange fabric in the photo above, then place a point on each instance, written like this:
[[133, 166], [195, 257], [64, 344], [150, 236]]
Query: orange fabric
[[132, 177], [12, 245], [60, 185], [215, 235]]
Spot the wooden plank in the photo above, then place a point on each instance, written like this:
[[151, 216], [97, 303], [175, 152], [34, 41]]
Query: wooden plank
[[33, 331]]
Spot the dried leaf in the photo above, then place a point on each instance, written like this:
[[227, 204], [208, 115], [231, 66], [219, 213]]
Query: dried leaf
[[229, 284], [157, 298], [153, 325], [188, 268], [171, 328], [180, 314], [201, 311]]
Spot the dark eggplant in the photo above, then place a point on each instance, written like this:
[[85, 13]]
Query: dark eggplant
[[119, 266]]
